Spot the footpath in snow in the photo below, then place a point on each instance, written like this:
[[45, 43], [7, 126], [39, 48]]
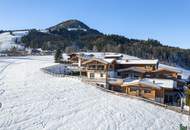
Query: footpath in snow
[[33, 100]]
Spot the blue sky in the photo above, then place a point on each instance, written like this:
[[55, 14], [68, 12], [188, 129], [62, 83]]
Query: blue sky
[[165, 20]]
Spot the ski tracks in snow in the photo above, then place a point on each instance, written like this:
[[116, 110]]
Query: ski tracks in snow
[[33, 100]]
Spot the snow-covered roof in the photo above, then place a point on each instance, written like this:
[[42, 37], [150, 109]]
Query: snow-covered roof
[[184, 72], [95, 54], [113, 55], [156, 83], [103, 54], [169, 69], [95, 59], [138, 81], [136, 69], [164, 83], [138, 61], [109, 60], [87, 56]]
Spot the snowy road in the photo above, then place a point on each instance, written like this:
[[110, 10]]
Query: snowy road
[[32, 100]]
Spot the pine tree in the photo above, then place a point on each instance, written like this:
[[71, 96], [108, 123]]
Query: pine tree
[[58, 56]]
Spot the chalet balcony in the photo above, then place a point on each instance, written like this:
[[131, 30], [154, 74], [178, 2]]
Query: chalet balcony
[[95, 80], [90, 68]]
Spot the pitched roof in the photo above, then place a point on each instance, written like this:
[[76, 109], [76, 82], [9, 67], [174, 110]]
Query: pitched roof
[[109, 60], [154, 83], [136, 69], [138, 61], [113, 55], [168, 69], [104, 61], [139, 82]]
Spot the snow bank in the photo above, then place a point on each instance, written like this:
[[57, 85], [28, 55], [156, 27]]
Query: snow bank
[[33, 100]]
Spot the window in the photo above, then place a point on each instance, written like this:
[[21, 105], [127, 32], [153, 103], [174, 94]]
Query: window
[[133, 89], [126, 75], [147, 75], [91, 67], [148, 67], [100, 67], [101, 75], [147, 91], [91, 75], [136, 76]]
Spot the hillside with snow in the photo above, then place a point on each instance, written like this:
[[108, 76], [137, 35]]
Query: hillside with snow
[[9, 40], [33, 100]]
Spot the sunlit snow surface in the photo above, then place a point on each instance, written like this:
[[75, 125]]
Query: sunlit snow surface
[[33, 100], [7, 41]]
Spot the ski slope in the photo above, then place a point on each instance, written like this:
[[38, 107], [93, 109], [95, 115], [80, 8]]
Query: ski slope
[[33, 100], [7, 41]]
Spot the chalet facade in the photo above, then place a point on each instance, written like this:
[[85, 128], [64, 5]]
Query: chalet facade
[[160, 90], [98, 70], [136, 68]]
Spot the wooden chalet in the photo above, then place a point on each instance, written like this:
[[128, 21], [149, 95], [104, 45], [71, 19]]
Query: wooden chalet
[[154, 89], [73, 58], [143, 89], [165, 73], [159, 90], [146, 79], [78, 58]]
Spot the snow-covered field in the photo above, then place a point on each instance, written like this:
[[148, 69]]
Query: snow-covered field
[[33, 100]]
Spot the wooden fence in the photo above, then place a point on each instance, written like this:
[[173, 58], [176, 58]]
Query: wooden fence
[[45, 70]]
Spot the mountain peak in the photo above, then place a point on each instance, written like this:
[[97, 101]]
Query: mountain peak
[[72, 24]]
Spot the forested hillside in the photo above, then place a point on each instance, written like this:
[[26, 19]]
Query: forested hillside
[[74, 35]]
